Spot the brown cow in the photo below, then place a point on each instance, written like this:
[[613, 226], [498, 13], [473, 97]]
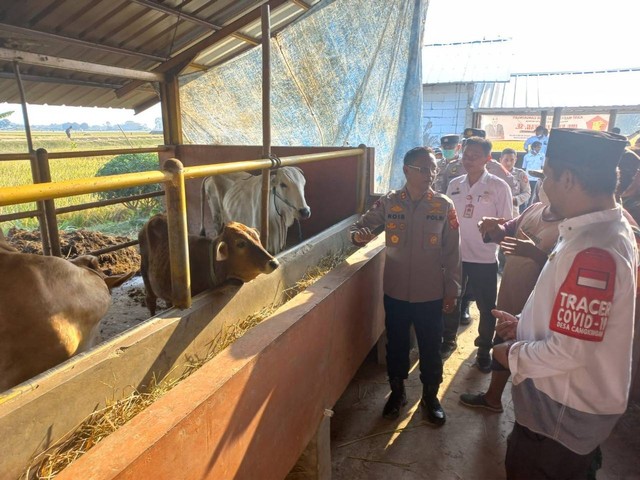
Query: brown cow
[[235, 254], [50, 309]]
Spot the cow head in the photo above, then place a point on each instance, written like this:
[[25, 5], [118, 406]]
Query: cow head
[[288, 188], [240, 248]]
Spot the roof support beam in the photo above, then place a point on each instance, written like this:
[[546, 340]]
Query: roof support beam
[[78, 66], [62, 81], [301, 4], [192, 18], [187, 56], [76, 41]]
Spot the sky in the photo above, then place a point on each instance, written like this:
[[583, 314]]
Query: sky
[[548, 35], [46, 114]]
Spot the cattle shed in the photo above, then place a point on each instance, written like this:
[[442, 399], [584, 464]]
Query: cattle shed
[[283, 378], [262, 407]]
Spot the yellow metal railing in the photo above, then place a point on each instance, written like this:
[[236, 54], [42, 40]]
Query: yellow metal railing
[[173, 176]]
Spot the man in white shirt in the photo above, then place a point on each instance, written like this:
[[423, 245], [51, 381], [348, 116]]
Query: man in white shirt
[[477, 194], [542, 136], [571, 358]]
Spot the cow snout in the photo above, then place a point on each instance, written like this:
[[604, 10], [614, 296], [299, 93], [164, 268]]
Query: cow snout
[[304, 212], [273, 264]]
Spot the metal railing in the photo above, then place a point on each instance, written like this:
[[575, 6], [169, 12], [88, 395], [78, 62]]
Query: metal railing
[[46, 211], [173, 176]]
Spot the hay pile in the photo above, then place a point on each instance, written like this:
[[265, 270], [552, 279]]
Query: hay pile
[[103, 422]]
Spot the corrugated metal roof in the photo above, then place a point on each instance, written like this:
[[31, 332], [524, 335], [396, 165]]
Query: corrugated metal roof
[[467, 62], [140, 35], [568, 89]]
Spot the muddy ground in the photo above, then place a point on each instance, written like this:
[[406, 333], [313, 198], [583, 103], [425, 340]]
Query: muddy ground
[[128, 308]]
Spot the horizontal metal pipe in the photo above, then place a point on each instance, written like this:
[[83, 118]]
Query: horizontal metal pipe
[[113, 248], [221, 168], [80, 186], [8, 157], [106, 203], [15, 216], [100, 153]]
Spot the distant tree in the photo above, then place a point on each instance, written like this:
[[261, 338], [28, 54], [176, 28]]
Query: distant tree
[[128, 163]]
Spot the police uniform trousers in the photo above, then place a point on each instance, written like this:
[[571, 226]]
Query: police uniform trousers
[[483, 280], [426, 318]]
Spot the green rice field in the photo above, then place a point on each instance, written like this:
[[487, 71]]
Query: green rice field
[[116, 219]]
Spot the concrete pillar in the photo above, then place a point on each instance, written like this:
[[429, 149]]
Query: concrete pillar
[[315, 461]]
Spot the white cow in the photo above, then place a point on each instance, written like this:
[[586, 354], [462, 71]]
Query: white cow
[[236, 197]]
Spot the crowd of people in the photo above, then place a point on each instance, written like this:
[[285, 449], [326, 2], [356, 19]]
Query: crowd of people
[[561, 323]]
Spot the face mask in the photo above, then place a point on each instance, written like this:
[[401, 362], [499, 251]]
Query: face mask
[[448, 154]]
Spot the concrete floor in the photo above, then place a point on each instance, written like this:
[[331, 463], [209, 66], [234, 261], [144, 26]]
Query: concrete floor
[[472, 444]]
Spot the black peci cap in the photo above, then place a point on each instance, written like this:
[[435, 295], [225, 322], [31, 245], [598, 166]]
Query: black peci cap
[[474, 132], [449, 141], [574, 146]]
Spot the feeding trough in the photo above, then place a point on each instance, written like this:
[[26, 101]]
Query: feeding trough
[[310, 346]]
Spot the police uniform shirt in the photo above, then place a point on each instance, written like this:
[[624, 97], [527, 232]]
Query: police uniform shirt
[[453, 169], [572, 357], [422, 261], [488, 197]]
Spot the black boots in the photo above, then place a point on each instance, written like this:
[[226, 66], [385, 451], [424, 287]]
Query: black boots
[[431, 405], [397, 399], [465, 316]]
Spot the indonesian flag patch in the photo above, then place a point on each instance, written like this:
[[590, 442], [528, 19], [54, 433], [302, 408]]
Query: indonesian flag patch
[[583, 304], [452, 216]]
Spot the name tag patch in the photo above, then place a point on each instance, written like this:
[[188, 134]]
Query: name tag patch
[[583, 304]]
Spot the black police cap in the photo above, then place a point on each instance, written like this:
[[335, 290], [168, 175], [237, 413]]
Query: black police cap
[[474, 132], [449, 141]]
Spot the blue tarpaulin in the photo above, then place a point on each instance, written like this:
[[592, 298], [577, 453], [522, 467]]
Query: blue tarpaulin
[[346, 73]]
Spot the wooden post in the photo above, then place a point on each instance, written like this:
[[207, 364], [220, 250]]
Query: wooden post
[[171, 116], [557, 114], [49, 206], [613, 117], [35, 170], [266, 122], [178, 235], [361, 188]]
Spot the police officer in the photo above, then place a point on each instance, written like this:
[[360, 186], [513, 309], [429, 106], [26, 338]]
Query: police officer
[[421, 276], [449, 148]]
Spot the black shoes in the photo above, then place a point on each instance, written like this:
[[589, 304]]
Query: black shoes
[[431, 405], [477, 400], [447, 348], [465, 317], [397, 399]]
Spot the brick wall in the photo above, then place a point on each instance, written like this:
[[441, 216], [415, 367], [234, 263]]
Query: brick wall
[[445, 109]]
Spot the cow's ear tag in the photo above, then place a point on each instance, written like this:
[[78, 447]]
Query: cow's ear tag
[[222, 252]]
